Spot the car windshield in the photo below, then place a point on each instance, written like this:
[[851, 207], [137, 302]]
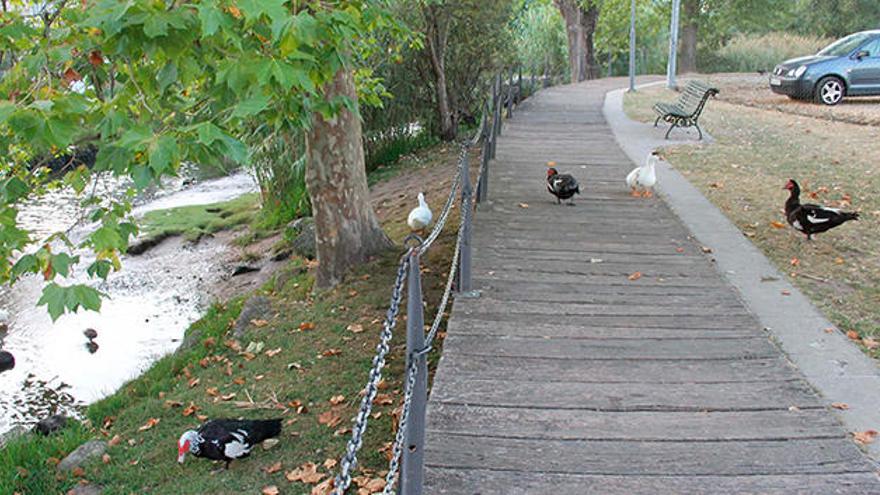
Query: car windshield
[[844, 46]]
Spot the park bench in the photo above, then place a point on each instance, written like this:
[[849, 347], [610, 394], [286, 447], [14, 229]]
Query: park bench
[[686, 111]]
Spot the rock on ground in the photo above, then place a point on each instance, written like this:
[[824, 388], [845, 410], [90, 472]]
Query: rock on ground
[[255, 308], [12, 434], [304, 242], [83, 453], [47, 426]]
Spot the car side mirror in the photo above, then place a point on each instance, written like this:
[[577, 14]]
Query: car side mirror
[[862, 54]]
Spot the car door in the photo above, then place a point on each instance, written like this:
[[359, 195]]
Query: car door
[[864, 73]]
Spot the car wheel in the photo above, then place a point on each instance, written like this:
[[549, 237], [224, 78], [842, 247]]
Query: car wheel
[[829, 90]]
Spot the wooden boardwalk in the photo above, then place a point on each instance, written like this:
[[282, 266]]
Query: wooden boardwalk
[[565, 377]]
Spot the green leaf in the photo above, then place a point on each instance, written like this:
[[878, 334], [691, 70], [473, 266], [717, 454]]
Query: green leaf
[[208, 133], [58, 299], [6, 109], [167, 76], [163, 155], [60, 133], [106, 239], [14, 189], [251, 106], [100, 268], [253, 9], [155, 26], [55, 299], [61, 263], [211, 18], [136, 137], [25, 264], [142, 176]]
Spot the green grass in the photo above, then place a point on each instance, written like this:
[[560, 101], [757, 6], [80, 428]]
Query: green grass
[[302, 372], [193, 222], [755, 153]]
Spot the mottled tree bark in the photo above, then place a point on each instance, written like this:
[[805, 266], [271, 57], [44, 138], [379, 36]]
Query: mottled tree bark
[[347, 232], [437, 20], [580, 25], [691, 21]]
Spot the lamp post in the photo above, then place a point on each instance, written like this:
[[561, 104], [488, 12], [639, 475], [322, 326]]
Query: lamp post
[[632, 46], [672, 61]]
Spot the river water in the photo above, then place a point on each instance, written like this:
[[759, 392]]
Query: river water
[[153, 299]]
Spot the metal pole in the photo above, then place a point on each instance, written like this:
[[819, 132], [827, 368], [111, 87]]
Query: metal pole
[[632, 46], [672, 61], [510, 94], [464, 260], [498, 106], [519, 91], [413, 463], [488, 147]]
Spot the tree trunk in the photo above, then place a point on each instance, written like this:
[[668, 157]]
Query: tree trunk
[[691, 18], [580, 25], [436, 35], [347, 232]]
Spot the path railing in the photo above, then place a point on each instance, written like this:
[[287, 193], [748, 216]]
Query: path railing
[[408, 448]]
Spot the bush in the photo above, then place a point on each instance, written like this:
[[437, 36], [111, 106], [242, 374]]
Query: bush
[[750, 52]]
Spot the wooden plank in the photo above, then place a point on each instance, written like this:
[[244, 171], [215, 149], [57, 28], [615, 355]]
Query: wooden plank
[[463, 368], [622, 321], [463, 326], [445, 481], [622, 307], [729, 458], [647, 348], [565, 424], [735, 396]]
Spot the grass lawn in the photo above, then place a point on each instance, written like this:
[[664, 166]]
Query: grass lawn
[[307, 363], [743, 173]]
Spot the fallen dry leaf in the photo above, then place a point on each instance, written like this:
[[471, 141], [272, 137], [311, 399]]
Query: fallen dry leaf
[[551, 164], [355, 328], [259, 323], [843, 406], [838, 261], [706, 249], [105, 458], [307, 473], [270, 490], [228, 396], [679, 250], [324, 488], [864, 437], [330, 418], [194, 382], [330, 463], [239, 380], [785, 292], [274, 468], [149, 424], [78, 472], [870, 343], [306, 325], [212, 391], [114, 441], [173, 403], [273, 352], [337, 399], [776, 224], [383, 400], [795, 261], [635, 276], [523, 205], [331, 352], [190, 409], [853, 334]]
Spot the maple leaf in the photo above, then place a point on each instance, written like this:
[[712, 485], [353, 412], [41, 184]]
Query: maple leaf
[[274, 468], [635, 276], [190, 409], [71, 76], [355, 328], [95, 58], [383, 400], [330, 463], [337, 399], [270, 490], [853, 334], [330, 418], [307, 473], [324, 488], [864, 437], [149, 424]]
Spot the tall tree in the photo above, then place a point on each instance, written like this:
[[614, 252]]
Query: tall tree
[[346, 229], [581, 17], [437, 18], [689, 30]]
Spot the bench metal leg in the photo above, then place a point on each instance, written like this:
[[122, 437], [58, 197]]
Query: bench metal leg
[[673, 126], [657, 120], [700, 131]]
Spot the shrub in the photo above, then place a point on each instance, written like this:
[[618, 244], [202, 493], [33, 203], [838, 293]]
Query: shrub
[[750, 52]]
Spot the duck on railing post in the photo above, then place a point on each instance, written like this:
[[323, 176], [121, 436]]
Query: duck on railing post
[[412, 471]]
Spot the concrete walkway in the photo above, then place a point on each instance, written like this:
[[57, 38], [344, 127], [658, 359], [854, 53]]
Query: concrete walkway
[[567, 377]]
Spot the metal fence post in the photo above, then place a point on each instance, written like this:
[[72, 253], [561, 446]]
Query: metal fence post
[[464, 260], [519, 91], [510, 94], [488, 151], [498, 106], [413, 464]]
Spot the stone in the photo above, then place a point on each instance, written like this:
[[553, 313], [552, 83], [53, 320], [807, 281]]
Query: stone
[[7, 361], [303, 244], [255, 308], [47, 426], [270, 443], [12, 434], [86, 490], [242, 269], [191, 339], [82, 454]]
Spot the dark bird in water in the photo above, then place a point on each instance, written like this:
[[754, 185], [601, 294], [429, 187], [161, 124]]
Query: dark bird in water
[[7, 361], [226, 439], [92, 346], [809, 218], [90, 333], [563, 186]]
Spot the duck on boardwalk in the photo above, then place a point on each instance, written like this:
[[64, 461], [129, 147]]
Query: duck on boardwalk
[[809, 218], [563, 186], [644, 177], [226, 439], [420, 216]]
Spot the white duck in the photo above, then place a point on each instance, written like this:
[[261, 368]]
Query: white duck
[[420, 216], [644, 177]]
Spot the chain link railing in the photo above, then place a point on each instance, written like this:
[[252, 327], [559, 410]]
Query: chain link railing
[[407, 452]]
